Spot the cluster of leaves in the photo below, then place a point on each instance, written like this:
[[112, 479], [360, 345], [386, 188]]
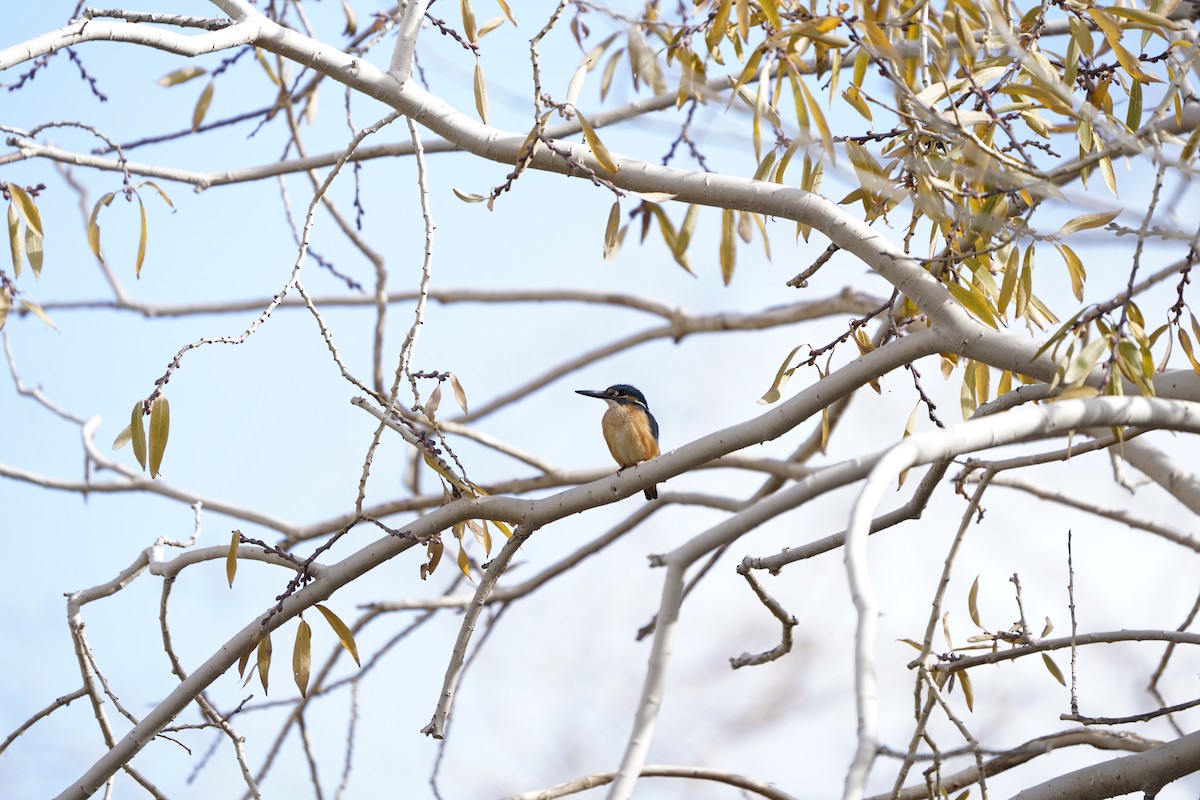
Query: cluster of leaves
[[148, 450], [26, 241], [1015, 635]]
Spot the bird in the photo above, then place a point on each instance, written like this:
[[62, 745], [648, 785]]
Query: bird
[[630, 430]]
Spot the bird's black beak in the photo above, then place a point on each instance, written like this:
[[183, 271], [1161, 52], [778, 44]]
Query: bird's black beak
[[591, 393]]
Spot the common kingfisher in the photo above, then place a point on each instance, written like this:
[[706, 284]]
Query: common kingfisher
[[630, 430]]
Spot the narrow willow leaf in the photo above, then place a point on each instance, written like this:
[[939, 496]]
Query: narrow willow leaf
[[26, 207], [93, 229], [263, 661], [181, 75], [598, 149], [16, 242], [1054, 670], [728, 252], [464, 563], [1012, 268], [138, 434], [1087, 221], [719, 25], [302, 656], [5, 305], [351, 19], [1112, 32], [481, 95], [231, 557], [973, 603], [160, 428], [202, 104], [1133, 115], [1074, 269], [141, 253], [781, 377], [610, 230], [610, 69], [824, 428], [244, 660], [468, 18], [468, 197], [460, 396], [33, 251], [161, 193], [968, 689], [507, 12], [33, 308], [503, 528], [262, 61], [490, 25], [343, 633]]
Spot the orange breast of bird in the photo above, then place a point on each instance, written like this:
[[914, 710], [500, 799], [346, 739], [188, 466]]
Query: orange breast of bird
[[628, 434]]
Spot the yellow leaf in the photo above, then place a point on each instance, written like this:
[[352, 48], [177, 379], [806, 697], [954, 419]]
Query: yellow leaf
[[468, 18], [343, 633], [610, 230], [33, 251], [93, 230], [33, 308], [262, 60], [264, 661], [302, 656], [507, 12], [231, 557], [16, 241], [968, 689], [1054, 670], [351, 19], [1086, 221], [973, 603], [202, 105], [1112, 33], [160, 429], [181, 75], [5, 304], [26, 207], [1074, 269], [481, 95], [141, 253], [728, 246], [598, 149], [719, 24], [138, 434]]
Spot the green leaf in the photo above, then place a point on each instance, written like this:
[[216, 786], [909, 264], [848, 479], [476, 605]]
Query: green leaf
[[343, 633], [160, 429], [138, 433], [231, 558], [302, 656]]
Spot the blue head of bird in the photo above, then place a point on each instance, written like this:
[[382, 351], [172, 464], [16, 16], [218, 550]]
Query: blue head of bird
[[630, 430]]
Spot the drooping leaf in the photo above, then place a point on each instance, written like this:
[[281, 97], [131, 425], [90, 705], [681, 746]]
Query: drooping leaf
[[33, 250], [343, 633], [468, 18], [468, 197], [141, 253], [968, 689], [728, 251], [460, 396], [160, 429], [5, 305], [481, 95], [16, 241], [302, 656], [138, 433], [93, 229], [611, 229], [231, 557], [263, 661]]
